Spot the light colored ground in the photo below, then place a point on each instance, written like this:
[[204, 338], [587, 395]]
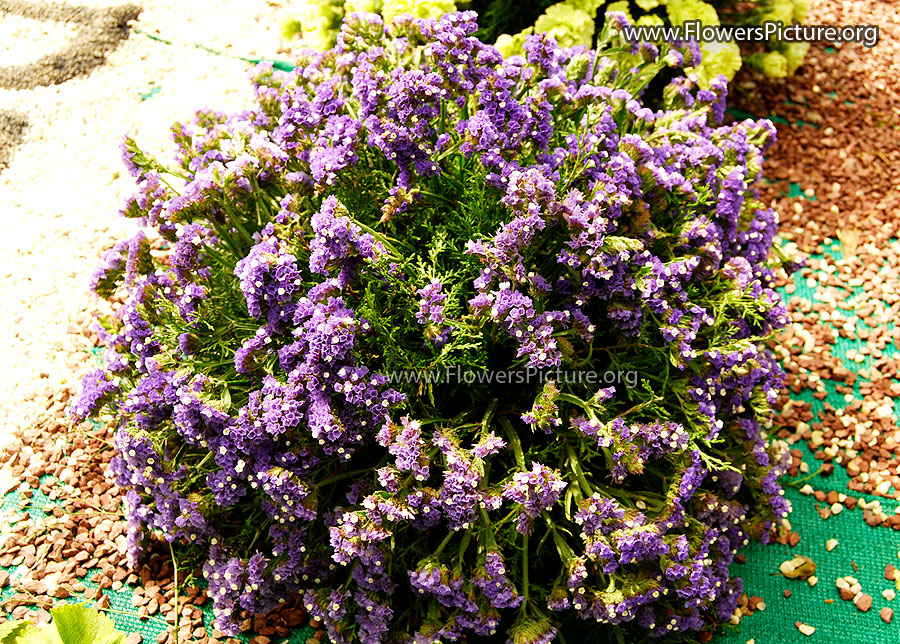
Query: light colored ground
[[61, 193]]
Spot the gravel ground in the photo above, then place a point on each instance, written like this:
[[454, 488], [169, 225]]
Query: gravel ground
[[65, 182], [846, 158]]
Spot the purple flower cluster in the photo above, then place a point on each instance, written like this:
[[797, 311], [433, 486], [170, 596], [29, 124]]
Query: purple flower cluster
[[409, 203], [536, 490]]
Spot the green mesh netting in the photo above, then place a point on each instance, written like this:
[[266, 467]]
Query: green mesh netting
[[870, 548]]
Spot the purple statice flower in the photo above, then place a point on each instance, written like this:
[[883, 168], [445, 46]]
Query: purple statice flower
[[431, 303], [269, 278], [489, 444], [255, 350], [434, 579], [384, 507], [96, 388], [533, 331], [330, 608], [338, 243], [226, 577], [186, 256], [226, 489], [535, 490], [427, 506], [406, 444], [153, 398], [638, 541], [494, 583], [389, 479], [458, 496], [373, 617], [356, 539], [599, 515], [109, 271], [335, 149], [289, 495], [258, 326]]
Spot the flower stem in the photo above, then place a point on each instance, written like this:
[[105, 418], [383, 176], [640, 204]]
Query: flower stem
[[579, 473], [525, 571], [444, 543], [174, 588], [646, 403], [514, 442]]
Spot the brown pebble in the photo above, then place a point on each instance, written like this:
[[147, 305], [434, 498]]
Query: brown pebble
[[794, 539], [829, 601], [134, 638], [863, 602], [63, 591], [890, 572], [886, 614], [787, 593]]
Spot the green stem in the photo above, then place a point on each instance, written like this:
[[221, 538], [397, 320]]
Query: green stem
[[444, 543], [174, 588], [525, 571], [489, 530], [514, 442], [236, 222], [565, 552], [575, 400], [576, 469], [489, 415], [646, 403]]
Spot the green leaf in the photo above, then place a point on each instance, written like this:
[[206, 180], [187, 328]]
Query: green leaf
[[78, 624], [35, 635], [9, 630]]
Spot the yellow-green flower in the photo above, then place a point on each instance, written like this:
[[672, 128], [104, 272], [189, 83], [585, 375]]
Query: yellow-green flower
[[418, 8], [772, 64], [794, 53], [568, 25]]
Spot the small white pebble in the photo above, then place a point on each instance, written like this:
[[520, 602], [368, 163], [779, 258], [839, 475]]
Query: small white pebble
[[831, 544], [836, 508], [806, 489], [806, 629], [812, 581], [888, 594]]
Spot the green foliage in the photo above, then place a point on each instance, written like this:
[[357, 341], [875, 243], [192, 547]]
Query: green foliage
[[72, 624]]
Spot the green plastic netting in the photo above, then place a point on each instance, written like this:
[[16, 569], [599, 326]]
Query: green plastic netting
[[870, 548]]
